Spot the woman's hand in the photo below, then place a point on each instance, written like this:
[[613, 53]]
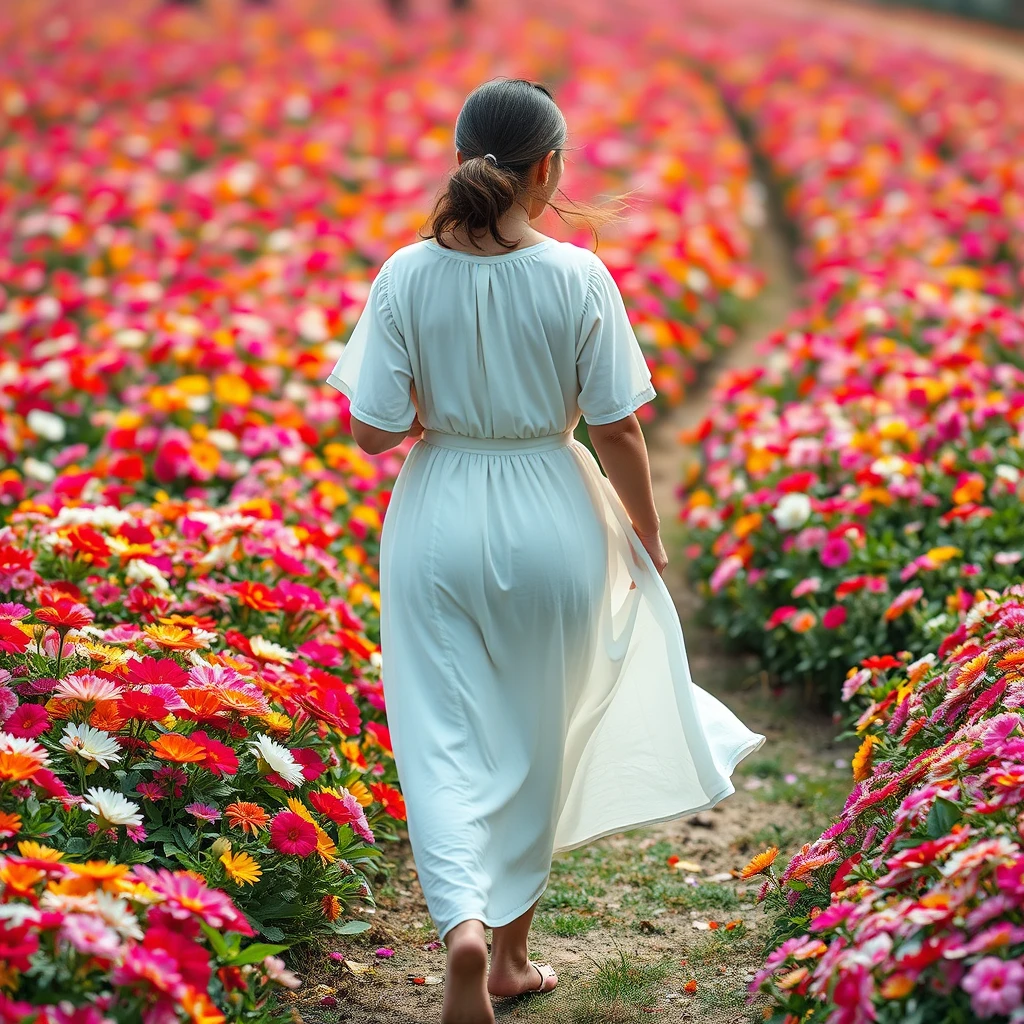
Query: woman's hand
[[655, 548], [416, 429], [417, 426]]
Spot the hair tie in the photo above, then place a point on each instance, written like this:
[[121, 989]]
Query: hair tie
[[492, 158]]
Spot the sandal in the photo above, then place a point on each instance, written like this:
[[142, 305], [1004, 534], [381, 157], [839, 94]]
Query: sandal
[[546, 974]]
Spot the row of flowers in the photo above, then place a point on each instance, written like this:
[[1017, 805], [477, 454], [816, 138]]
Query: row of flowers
[[857, 488], [910, 907]]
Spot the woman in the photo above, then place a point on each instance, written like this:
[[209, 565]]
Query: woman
[[536, 684]]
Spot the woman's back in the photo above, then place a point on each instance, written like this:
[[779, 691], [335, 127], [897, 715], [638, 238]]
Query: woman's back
[[507, 346]]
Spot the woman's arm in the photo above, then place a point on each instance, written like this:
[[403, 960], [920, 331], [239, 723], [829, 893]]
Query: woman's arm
[[374, 441], [623, 453]]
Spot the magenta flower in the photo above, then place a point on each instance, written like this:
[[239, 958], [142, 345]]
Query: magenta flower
[[836, 552], [995, 986], [1010, 878], [28, 721], [90, 934], [203, 812], [834, 617], [185, 897]]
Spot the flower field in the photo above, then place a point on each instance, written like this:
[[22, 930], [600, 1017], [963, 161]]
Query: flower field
[[860, 487], [195, 766]]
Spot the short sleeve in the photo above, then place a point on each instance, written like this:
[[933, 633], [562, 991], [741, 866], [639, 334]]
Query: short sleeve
[[613, 375], [374, 369]]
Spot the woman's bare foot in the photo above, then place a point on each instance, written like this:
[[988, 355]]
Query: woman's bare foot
[[508, 978], [465, 978]]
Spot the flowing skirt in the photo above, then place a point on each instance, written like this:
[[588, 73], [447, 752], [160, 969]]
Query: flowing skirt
[[535, 700]]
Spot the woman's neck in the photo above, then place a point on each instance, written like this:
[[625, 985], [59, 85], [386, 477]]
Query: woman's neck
[[513, 227]]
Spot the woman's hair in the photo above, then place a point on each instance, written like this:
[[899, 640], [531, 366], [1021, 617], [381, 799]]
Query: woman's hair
[[503, 129]]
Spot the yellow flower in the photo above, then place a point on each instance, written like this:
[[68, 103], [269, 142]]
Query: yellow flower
[[276, 722], [761, 863], [326, 848], [298, 807], [939, 556], [36, 851], [862, 759], [241, 868], [361, 793]]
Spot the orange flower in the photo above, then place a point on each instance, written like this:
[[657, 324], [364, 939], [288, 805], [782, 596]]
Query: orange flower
[[331, 907], [172, 747], [761, 863], [100, 874], [20, 879], [107, 716], [200, 1009], [174, 638], [898, 986], [257, 596], [247, 816], [10, 824], [971, 671], [203, 705], [862, 759], [16, 767]]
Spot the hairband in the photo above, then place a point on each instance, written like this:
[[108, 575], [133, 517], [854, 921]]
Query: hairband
[[493, 159]]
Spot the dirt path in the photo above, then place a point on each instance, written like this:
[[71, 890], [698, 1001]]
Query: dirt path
[[625, 929]]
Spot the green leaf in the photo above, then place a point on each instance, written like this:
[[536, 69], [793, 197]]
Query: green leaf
[[256, 952], [941, 818], [216, 940], [795, 883], [352, 927], [271, 931], [75, 846]]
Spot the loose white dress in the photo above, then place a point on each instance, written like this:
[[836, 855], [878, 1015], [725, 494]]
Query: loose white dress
[[535, 700]]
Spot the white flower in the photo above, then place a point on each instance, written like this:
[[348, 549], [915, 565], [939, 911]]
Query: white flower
[[792, 511], [41, 471], [1009, 474], [118, 914], [312, 324], [140, 571], [91, 744], [269, 651], [46, 425], [276, 971], [111, 808], [278, 758], [23, 745]]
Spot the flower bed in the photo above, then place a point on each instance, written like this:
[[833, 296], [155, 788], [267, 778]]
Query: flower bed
[[847, 485], [131, 944], [911, 906]]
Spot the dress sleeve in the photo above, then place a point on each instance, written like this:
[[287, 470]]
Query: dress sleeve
[[374, 369], [613, 375]]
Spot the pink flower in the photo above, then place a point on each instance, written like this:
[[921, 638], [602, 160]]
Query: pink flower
[[852, 995], [1010, 878], [725, 573], [834, 617], [203, 812], [151, 790], [28, 721], [995, 986], [185, 897], [810, 585], [90, 934], [8, 704], [836, 552], [292, 835]]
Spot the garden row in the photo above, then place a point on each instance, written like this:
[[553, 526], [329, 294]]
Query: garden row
[[193, 744], [859, 499]]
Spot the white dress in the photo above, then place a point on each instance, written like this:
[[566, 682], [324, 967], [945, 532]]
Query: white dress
[[535, 701]]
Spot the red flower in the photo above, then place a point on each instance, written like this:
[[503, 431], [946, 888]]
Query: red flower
[[880, 662], [153, 671], [142, 706], [312, 763], [12, 639], [65, 614], [390, 799], [220, 758], [331, 703], [257, 596], [851, 586], [839, 879], [17, 944], [89, 544], [292, 835], [381, 735], [780, 615], [834, 617], [28, 721]]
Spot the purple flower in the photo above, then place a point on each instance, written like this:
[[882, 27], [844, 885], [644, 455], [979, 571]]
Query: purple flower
[[204, 812], [995, 986]]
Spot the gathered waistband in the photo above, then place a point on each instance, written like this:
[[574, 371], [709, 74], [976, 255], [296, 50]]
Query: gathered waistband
[[498, 445]]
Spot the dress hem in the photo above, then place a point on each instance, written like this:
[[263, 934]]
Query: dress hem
[[741, 752], [504, 919]]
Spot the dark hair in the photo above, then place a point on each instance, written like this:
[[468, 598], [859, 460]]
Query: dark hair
[[503, 129]]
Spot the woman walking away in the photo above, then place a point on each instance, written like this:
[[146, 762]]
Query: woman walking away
[[536, 682]]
